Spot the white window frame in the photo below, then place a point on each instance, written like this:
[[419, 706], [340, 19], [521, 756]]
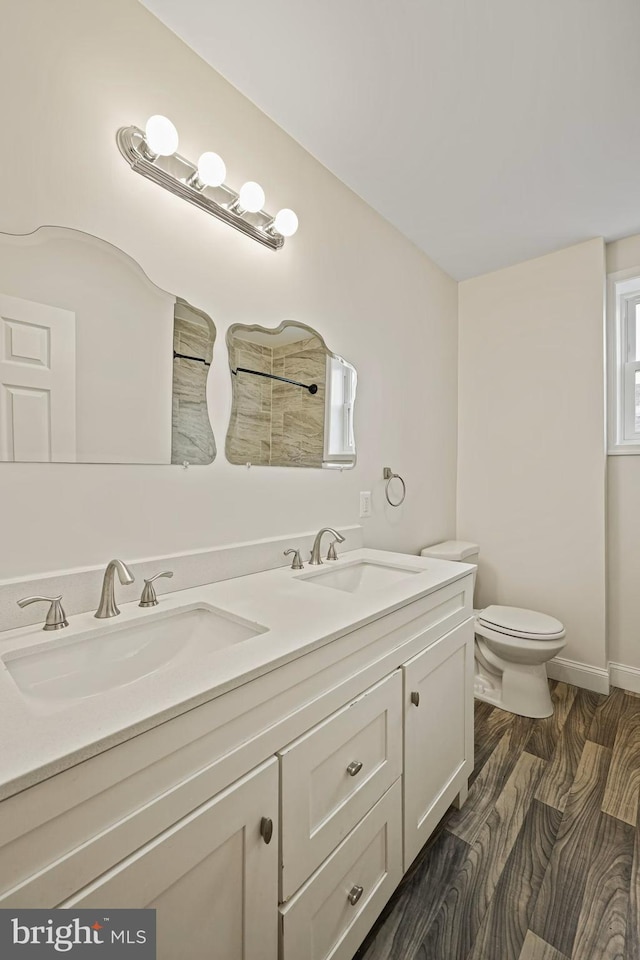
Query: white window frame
[[339, 413], [623, 296]]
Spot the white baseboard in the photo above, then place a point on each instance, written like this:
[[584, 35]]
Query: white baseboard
[[594, 678], [580, 674], [627, 678]]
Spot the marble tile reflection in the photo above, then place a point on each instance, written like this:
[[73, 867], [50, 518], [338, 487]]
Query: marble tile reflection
[[192, 438], [274, 423]]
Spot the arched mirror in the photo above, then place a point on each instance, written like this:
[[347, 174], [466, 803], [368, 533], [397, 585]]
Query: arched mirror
[[293, 399], [97, 363]]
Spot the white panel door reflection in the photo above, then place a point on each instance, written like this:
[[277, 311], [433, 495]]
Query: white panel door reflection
[[37, 381]]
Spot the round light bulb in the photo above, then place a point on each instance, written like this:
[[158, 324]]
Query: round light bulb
[[211, 169], [161, 136], [251, 197], [285, 223]]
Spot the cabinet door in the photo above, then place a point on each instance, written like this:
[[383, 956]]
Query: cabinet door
[[438, 745], [211, 878]]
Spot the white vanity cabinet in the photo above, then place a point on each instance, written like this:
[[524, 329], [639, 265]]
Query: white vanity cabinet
[[354, 749], [410, 740], [212, 877]]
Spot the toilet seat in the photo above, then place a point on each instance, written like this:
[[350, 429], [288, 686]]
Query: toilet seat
[[521, 623]]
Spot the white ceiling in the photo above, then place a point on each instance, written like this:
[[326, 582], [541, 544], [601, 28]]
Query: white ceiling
[[487, 131]]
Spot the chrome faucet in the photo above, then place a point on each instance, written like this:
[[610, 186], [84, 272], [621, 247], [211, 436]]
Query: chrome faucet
[[315, 550], [107, 606]]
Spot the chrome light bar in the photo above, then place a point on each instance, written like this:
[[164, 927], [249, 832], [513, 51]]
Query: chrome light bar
[[180, 176]]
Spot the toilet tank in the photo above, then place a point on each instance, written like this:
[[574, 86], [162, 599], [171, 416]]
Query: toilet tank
[[461, 551]]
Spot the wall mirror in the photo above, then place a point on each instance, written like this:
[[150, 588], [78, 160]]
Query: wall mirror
[[97, 363], [292, 399]]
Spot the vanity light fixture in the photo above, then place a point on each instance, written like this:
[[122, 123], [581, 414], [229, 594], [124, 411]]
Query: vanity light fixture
[[152, 153]]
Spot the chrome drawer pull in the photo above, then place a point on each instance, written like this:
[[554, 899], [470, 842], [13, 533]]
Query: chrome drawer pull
[[354, 768], [354, 895], [266, 829], [415, 698]]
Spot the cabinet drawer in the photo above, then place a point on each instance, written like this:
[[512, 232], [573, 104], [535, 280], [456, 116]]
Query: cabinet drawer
[[321, 921], [333, 775]]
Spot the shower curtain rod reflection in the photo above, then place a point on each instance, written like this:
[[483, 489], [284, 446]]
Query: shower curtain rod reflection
[[311, 387]]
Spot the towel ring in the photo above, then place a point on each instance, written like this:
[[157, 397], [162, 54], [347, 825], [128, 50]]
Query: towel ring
[[389, 475]]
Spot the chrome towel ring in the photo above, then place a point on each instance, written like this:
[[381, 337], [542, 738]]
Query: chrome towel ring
[[389, 475]]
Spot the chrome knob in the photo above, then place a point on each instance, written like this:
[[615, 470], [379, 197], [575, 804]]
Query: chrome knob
[[297, 563], [331, 554], [56, 618], [149, 598], [354, 768], [266, 829], [415, 698], [354, 894]]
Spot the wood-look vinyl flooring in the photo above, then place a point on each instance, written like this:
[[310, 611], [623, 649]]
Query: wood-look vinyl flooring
[[543, 860]]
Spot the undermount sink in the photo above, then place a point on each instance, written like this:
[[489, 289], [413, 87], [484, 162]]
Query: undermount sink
[[360, 576], [114, 655]]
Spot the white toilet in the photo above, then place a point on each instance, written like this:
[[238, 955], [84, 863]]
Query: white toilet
[[512, 647]]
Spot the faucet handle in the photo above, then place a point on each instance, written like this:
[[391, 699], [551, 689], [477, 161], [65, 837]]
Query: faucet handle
[[56, 617], [149, 598], [297, 563], [332, 555]]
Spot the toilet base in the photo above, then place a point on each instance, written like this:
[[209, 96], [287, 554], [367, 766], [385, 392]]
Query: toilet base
[[520, 689]]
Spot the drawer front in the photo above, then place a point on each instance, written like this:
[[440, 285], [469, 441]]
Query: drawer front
[[333, 775], [333, 912]]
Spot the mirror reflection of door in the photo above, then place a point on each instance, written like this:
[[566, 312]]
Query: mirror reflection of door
[[37, 381], [97, 363]]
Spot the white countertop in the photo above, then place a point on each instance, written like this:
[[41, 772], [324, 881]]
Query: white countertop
[[41, 737]]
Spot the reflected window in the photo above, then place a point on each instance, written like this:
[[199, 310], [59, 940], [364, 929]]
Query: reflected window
[[341, 387]]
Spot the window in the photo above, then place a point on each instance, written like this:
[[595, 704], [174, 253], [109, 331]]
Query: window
[[624, 364], [340, 447]]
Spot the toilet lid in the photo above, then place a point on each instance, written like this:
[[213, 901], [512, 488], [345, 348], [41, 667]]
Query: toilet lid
[[518, 622]]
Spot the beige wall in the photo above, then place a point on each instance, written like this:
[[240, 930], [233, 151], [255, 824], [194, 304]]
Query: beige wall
[[531, 456], [72, 73], [623, 518]]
